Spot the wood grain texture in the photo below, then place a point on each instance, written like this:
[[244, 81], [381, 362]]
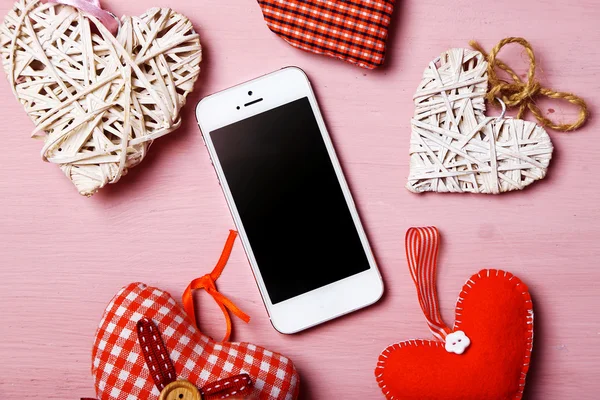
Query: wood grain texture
[[62, 257]]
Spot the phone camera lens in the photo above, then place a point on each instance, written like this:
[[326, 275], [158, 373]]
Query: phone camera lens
[[238, 107], [250, 93]]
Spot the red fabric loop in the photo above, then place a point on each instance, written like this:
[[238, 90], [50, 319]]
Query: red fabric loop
[[207, 282], [421, 253]]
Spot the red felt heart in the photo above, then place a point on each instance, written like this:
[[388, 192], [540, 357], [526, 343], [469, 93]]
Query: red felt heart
[[495, 311]]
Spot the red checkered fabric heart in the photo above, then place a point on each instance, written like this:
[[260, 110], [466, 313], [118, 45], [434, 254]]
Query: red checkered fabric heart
[[352, 30], [121, 373]]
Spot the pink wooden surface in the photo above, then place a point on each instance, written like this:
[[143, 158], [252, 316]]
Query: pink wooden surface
[[62, 256]]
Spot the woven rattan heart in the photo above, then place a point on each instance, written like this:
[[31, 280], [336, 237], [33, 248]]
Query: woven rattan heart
[[455, 147], [97, 100]]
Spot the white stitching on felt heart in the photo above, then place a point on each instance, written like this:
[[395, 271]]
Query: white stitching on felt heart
[[455, 147], [529, 317], [100, 101], [466, 290], [388, 350]]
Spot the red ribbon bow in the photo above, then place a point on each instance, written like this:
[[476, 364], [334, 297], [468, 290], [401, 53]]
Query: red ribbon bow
[[207, 282]]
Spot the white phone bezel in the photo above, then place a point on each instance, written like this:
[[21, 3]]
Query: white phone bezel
[[330, 301]]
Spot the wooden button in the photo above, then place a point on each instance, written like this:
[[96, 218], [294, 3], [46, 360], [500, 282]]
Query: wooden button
[[180, 390]]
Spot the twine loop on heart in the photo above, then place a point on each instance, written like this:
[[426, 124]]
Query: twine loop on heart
[[522, 94], [455, 147]]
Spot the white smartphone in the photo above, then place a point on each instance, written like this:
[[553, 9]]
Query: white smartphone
[[289, 200]]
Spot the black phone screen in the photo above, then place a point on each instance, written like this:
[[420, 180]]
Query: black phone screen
[[290, 201]]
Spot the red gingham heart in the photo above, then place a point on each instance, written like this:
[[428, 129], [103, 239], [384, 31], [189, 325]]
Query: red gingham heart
[[121, 373], [352, 30]]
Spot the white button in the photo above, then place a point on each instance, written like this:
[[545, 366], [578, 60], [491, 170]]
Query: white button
[[457, 342]]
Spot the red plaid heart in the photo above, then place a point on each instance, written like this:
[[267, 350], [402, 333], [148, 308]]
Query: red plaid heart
[[352, 30], [122, 374]]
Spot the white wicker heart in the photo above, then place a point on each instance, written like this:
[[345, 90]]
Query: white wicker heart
[[98, 101], [455, 147]]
